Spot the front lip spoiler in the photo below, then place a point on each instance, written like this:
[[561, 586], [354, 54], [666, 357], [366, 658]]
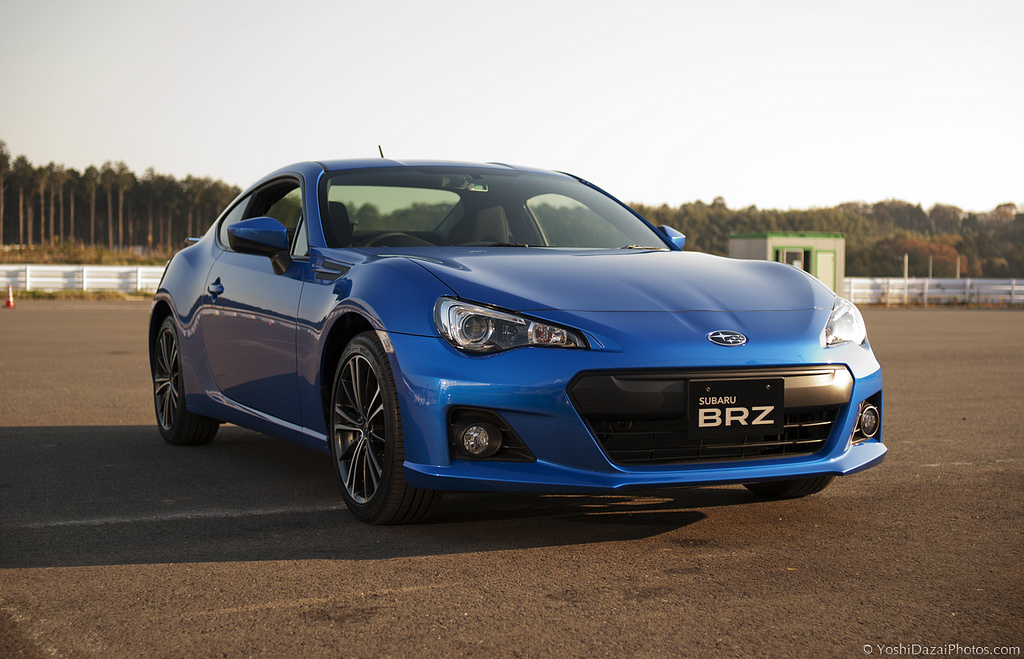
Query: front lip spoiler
[[548, 477]]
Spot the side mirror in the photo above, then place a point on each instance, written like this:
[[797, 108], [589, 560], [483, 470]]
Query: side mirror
[[264, 236], [673, 236]]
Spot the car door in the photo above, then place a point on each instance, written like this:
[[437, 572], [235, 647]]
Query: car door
[[249, 311]]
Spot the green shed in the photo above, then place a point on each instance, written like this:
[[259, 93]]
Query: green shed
[[821, 254]]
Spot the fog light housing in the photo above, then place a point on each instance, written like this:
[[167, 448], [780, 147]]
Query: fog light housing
[[869, 421], [478, 439], [476, 433]]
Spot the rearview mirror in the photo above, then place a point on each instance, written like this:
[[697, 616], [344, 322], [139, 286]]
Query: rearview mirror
[[264, 236], [674, 236]]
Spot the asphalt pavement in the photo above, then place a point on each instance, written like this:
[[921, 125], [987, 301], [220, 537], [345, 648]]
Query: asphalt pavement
[[115, 544]]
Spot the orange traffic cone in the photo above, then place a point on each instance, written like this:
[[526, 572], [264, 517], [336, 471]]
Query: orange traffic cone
[[10, 299]]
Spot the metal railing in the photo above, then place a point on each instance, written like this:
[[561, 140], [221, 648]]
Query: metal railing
[[49, 278], [861, 290], [920, 291]]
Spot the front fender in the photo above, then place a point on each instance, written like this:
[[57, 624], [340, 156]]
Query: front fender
[[392, 294]]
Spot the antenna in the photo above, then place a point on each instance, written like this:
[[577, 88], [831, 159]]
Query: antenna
[[381, 151]]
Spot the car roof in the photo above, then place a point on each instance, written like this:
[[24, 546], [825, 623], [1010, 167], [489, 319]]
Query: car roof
[[368, 163], [313, 168]]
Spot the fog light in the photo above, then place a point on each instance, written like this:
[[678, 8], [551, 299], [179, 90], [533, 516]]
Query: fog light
[[479, 439], [869, 419]]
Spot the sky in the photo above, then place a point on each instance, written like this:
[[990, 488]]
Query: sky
[[783, 104]]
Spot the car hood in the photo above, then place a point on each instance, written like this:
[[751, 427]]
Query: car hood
[[532, 279]]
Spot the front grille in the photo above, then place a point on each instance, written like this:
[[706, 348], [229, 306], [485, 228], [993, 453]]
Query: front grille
[[640, 417], [668, 441]]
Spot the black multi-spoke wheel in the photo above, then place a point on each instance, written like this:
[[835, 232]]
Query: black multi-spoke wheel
[[359, 429], [177, 425], [366, 439]]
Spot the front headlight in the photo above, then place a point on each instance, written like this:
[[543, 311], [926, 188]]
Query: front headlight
[[481, 330], [845, 325]]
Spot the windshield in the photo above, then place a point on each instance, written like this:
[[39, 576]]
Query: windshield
[[435, 206]]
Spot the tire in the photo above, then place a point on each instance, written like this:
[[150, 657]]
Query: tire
[[177, 425], [366, 439], [793, 489]]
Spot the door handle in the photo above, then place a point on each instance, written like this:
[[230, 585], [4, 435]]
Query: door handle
[[216, 288]]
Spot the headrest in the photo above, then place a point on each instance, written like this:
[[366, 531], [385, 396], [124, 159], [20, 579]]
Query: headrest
[[338, 228]]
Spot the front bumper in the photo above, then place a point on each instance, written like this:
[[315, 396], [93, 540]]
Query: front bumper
[[530, 389]]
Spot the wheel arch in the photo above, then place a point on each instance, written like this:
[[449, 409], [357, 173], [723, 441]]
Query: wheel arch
[[343, 330], [161, 310]]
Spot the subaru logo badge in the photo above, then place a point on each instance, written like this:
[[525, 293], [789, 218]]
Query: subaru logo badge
[[726, 338]]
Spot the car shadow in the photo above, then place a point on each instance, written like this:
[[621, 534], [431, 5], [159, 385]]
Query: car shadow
[[77, 496]]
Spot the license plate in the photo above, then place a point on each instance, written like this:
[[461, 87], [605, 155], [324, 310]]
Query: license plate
[[735, 408]]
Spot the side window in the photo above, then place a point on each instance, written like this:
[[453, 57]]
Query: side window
[[235, 215], [281, 200], [300, 247], [287, 210]]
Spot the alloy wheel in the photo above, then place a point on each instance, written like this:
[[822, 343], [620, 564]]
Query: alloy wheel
[[359, 429], [167, 379]]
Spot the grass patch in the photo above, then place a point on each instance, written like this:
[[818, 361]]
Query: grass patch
[[88, 296], [69, 253]]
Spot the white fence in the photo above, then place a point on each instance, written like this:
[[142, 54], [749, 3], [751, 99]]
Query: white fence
[[126, 279], [897, 290], [861, 290]]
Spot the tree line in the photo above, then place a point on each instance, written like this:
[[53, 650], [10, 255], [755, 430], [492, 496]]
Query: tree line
[[107, 206], [988, 244], [113, 208]]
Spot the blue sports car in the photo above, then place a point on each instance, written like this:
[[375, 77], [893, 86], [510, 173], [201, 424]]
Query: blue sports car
[[443, 326]]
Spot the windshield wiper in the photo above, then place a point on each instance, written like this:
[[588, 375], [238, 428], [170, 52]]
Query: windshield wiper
[[638, 247]]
